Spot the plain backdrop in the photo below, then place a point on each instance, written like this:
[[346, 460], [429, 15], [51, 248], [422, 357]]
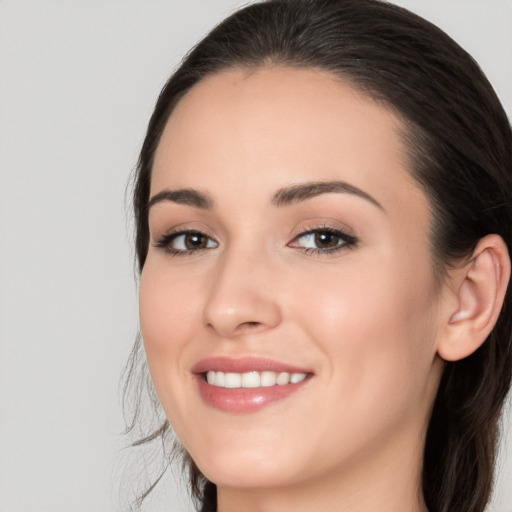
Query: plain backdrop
[[78, 79]]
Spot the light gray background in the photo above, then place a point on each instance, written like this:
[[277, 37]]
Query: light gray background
[[78, 80]]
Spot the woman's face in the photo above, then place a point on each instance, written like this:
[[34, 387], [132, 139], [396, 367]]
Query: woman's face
[[289, 252]]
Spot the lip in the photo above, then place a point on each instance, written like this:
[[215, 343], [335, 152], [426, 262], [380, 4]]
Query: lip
[[245, 364], [245, 400]]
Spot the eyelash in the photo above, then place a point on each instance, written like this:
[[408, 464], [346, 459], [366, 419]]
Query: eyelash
[[166, 241], [345, 241]]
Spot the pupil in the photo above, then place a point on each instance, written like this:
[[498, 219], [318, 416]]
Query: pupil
[[195, 241], [326, 240]]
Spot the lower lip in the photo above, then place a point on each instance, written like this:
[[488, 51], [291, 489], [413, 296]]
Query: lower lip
[[245, 400]]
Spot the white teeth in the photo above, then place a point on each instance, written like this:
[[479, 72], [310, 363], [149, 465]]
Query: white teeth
[[268, 379], [219, 378], [297, 377], [283, 378], [253, 379], [232, 380]]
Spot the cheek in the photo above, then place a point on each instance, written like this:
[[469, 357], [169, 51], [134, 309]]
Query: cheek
[[168, 312], [373, 321], [167, 304]]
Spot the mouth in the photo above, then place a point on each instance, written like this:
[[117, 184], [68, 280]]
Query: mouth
[[252, 379], [247, 384]]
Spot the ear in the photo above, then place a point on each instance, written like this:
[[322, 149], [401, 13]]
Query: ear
[[478, 290]]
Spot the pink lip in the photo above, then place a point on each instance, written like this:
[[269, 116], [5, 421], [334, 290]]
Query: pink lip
[[244, 400], [244, 364]]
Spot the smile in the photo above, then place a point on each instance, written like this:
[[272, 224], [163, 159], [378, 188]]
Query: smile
[[253, 379], [246, 385]]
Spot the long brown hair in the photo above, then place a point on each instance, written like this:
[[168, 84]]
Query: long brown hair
[[460, 144]]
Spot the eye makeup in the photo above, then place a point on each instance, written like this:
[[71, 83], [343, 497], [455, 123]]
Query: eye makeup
[[321, 240], [185, 242]]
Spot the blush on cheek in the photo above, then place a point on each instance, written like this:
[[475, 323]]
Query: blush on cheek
[[157, 322], [169, 313]]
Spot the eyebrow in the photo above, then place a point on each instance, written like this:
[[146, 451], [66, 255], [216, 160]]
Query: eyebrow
[[303, 191], [187, 196], [283, 197]]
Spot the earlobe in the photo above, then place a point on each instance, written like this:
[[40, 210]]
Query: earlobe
[[480, 289]]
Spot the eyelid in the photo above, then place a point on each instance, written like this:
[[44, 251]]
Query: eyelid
[[348, 239], [165, 240], [168, 226], [313, 226]]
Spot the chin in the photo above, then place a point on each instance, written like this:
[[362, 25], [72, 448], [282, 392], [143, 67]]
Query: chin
[[247, 476], [248, 468]]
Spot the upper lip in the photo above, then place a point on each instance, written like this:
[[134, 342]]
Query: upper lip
[[244, 364]]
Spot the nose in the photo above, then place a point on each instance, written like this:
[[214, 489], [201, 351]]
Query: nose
[[243, 297]]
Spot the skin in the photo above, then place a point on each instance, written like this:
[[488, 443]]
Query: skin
[[367, 319]]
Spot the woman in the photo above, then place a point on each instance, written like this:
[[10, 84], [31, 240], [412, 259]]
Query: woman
[[323, 209]]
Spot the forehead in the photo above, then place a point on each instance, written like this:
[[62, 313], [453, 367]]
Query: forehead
[[237, 131]]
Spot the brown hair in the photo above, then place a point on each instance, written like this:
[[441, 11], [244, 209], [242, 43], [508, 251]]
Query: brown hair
[[460, 143]]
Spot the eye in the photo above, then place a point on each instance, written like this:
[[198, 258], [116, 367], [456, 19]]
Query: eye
[[323, 240], [186, 242]]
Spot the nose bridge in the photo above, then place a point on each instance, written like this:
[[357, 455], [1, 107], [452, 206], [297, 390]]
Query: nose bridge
[[242, 295]]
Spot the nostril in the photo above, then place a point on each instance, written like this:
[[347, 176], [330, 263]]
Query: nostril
[[248, 326], [232, 316], [234, 331]]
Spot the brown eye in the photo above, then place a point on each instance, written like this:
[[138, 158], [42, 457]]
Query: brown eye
[[193, 241], [323, 241], [186, 242], [190, 241], [326, 240]]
